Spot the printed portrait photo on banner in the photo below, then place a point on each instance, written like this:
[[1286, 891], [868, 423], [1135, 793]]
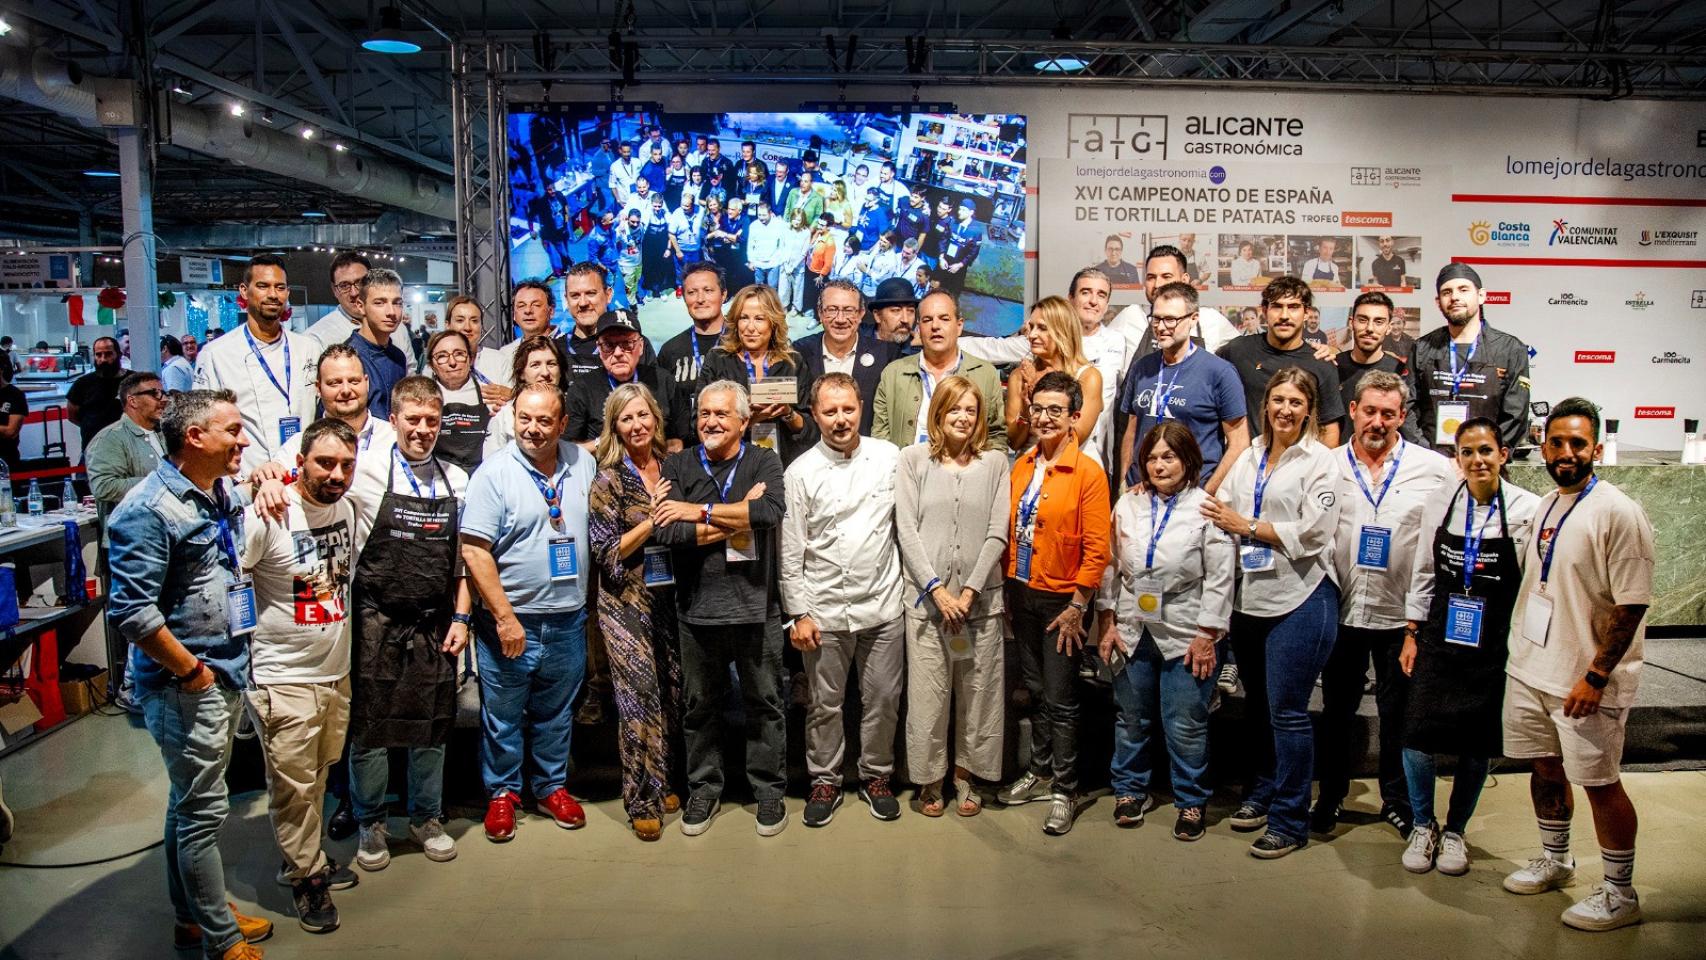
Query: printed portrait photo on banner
[[1388, 263], [1248, 261], [1323, 262]]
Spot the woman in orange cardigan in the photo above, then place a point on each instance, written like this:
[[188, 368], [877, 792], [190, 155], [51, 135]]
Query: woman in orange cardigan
[[1057, 552]]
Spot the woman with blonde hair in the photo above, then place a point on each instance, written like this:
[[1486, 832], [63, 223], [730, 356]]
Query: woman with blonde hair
[[1057, 343], [636, 604], [951, 503], [755, 348]]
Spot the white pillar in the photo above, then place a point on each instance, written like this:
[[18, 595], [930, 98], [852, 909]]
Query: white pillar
[[142, 295]]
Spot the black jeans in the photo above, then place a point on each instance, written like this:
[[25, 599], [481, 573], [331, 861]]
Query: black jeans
[[755, 650], [1341, 694], [1052, 679]]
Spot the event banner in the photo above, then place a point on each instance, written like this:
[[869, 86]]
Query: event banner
[[1586, 222]]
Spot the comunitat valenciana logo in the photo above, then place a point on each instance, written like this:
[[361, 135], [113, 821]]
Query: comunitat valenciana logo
[[1507, 233], [1563, 234], [1638, 302]]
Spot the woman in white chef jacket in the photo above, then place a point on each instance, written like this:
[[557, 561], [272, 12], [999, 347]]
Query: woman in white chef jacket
[[1170, 589], [1278, 500]]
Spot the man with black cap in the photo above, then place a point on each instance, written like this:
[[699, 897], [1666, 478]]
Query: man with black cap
[[894, 312], [619, 348], [1466, 368], [844, 347]]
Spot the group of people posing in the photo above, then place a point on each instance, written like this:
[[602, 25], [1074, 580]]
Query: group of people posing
[[322, 541]]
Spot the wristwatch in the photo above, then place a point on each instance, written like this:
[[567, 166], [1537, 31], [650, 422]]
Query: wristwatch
[[1596, 680], [190, 677], [1080, 607], [1252, 528], [462, 618]]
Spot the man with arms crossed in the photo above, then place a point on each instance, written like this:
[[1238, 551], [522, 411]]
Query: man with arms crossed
[[1572, 675]]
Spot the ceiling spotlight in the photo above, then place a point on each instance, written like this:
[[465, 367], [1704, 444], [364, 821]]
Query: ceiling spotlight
[[5, 27], [339, 147], [180, 90], [307, 133], [314, 214], [389, 37], [104, 174], [236, 109], [267, 115], [1060, 65]]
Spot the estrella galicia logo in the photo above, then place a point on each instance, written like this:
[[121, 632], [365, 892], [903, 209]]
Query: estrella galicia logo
[[1217, 175]]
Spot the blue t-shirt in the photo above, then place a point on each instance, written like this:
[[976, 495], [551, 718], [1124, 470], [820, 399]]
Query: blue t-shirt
[[1201, 391], [384, 366], [507, 509]]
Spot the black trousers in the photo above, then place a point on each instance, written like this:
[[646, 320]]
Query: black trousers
[[755, 650], [1052, 679], [1341, 695]]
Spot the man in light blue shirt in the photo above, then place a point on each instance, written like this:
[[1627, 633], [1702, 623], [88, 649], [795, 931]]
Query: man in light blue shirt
[[764, 246], [525, 543]]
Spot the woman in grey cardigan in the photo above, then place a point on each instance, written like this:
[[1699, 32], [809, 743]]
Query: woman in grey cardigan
[[951, 505]]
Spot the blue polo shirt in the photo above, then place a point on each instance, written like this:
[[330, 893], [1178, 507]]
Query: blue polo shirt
[[506, 508], [1200, 391], [384, 366]]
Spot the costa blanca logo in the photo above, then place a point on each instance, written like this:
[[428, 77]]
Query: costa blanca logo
[[1565, 235], [1671, 356], [1596, 356], [1655, 413], [1507, 233], [1480, 232], [1640, 301], [1669, 238], [1567, 300]]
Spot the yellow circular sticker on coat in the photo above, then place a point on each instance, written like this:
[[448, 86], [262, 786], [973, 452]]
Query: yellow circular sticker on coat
[[1450, 426], [958, 644], [1148, 602]]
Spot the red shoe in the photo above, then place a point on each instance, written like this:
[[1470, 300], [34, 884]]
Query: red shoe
[[500, 818], [564, 809]]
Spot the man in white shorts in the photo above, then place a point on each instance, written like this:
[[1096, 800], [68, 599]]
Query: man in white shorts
[[1575, 660]]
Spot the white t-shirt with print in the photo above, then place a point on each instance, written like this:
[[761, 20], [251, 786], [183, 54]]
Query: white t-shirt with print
[[302, 570]]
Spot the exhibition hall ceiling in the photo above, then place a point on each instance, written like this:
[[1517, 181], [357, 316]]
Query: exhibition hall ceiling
[[299, 67]]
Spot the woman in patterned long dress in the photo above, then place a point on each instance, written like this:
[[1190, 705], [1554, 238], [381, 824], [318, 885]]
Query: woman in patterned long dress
[[636, 608]]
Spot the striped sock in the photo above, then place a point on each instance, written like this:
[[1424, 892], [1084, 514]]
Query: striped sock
[[1619, 869], [1555, 839]]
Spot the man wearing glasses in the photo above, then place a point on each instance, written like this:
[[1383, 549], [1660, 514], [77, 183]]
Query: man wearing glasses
[[620, 349], [843, 347], [1184, 382], [1371, 323], [349, 269]]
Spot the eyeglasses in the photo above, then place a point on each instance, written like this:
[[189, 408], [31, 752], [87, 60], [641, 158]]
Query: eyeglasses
[[1168, 323], [625, 345], [839, 311], [156, 393], [345, 286], [1054, 412], [450, 356], [1362, 321]]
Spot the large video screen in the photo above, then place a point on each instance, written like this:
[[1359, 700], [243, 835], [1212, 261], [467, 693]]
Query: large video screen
[[786, 199]]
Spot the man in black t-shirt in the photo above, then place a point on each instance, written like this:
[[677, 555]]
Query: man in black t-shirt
[[1258, 356], [93, 401], [1371, 322], [1388, 268], [14, 407], [703, 291]]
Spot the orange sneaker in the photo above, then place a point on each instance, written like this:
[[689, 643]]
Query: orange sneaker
[[188, 936]]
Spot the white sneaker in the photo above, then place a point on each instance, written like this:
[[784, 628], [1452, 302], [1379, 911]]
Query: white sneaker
[[1419, 855], [372, 851], [1542, 874], [1453, 860], [1604, 909], [1062, 810], [435, 843]]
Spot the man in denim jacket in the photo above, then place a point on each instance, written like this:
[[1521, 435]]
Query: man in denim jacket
[[174, 562]]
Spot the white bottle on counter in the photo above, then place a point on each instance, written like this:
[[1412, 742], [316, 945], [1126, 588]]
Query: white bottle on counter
[[1608, 444], [1691, 442]]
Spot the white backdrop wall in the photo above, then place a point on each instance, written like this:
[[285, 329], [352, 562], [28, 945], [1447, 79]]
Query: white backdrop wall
[[1614, 307]]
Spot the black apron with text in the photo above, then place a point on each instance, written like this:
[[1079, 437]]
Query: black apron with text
[[404, 691], [462, 434], [1457, 693]]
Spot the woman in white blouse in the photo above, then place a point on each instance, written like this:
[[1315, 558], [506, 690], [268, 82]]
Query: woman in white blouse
[[951, 504], [1278, 500], [538, 359], [1170, 590]]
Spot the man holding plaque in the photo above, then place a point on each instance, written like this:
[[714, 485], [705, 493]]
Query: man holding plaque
[[1466, 368]]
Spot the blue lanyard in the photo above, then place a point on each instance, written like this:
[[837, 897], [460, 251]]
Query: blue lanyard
[[1457, 375], [552, 491], [693, 340], [930, 382], [1262, 479], [1155, 531], [1552, 545], [632, 378], [1028, 499], [1163, 393], [255, 349], [480, 378], [432, 482], [729, 481], [753, 374], [227, 539], [1391, 474], [1472, 539]]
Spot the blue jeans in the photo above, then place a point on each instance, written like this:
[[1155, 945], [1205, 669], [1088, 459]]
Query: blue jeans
[[370, 779], [769, 276], [1148, 687], [1466, 783], [527, 699], [194, 732], [1278, 661]]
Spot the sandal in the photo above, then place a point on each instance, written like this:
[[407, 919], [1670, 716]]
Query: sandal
[[971, 802], [930, 801]]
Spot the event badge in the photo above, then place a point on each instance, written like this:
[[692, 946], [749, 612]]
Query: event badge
[[565, 562], [1451, 416], [958, 644], [1374, 548], [1255, 556], [1463, 620], [768, 436], [657, 569], [288, 427], [1022, 563], [1537, 618], [240, 613], [740, 548], [1148, 591]]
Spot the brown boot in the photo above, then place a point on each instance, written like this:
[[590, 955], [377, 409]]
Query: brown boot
[[647, 828]]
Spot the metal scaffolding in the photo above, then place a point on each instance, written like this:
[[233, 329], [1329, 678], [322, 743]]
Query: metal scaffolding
[[481, 155]]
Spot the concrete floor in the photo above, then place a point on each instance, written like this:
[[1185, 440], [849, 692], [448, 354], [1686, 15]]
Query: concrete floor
[[994, 886]]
